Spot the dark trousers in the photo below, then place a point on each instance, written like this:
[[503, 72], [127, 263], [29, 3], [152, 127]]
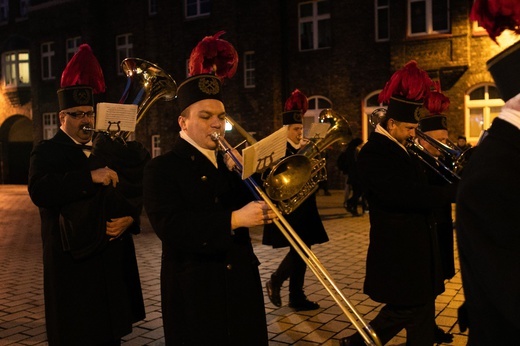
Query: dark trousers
[[293, 268], [417, 320]]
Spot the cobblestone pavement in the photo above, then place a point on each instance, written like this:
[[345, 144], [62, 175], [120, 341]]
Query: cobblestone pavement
[[21, 295]]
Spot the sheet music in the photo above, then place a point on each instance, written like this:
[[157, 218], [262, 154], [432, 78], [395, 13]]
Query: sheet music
[[113, 114], [318, 130], [265, 153]]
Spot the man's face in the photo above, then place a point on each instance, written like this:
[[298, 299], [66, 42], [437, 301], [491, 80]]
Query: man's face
[[295, 132], [440, 135], [461, 142], [401, 131], [202, 119], [73, 120]]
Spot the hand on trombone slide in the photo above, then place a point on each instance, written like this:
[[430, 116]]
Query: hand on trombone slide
[[230, 163], [254, 213]]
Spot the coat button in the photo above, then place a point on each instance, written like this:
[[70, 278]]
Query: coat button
[[229, 267], [204, 178], [216, 200], [192, 157]]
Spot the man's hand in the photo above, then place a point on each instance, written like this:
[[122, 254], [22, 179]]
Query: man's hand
[[116, 226], [104, 176], [252, 214], [230, 163]]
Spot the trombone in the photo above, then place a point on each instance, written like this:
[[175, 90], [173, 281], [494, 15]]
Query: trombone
[[365, 330], [451, 152]]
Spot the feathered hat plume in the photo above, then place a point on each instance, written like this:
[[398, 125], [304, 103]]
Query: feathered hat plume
[[84, 69], [496, 16], [214, 55], [410, 82], [297, 102], [436, 102]]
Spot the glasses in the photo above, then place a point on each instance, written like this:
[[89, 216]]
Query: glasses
[[80, 114]]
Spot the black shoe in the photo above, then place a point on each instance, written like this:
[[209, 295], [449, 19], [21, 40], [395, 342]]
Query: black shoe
[[353, 210], [273, 292], [303, 305], [440, 336]]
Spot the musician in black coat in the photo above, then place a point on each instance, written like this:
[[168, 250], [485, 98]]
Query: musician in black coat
[[306, 222], [487, 223], [92, 289], [403, 268], [210, 283]]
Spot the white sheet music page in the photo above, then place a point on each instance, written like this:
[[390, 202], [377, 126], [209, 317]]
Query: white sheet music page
[[317, 130], [265, 153], [114, 114]]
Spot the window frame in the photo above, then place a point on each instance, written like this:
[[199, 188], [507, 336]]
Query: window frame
[[428, 19], [50, 124], [198, 4], [4, 11], [17, 63], [124, 50], [155, 145], [71, 47], [315, 20], [152, 7], [249, 70], [377, 9], [486, 104], [47, 58], [313, 113]]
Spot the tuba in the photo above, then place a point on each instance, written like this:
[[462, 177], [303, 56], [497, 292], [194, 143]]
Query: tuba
[[146, 83], [296, 177]]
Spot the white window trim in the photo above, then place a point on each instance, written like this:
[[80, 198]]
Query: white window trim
[[366, 111], [156, 145], [198, 14], [72, 49], [50, 129], [313, 114], [47, 56], [377, 8], [248, 70], [429, 20], [485, 104], [17, 82], [315, 18], [126, 49]]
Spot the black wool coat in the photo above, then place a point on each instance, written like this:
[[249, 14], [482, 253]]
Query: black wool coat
[[403, 263], [305, 220], [210, 283], [488, 236], [97, 297]]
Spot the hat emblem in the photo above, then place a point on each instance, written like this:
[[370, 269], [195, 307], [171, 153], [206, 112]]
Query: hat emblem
[[417, 113], [81, 96], [209, 86], [298, 117]]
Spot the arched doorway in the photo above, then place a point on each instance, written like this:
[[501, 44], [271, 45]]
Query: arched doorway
[[16, 143]]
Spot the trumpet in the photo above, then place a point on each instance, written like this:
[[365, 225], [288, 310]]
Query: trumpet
[[365, 330], [449, 172]]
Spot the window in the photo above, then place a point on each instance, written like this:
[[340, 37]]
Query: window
[[314, 29], [382, 20], [249, 69], [72, 45], [15, 66], [47, 53], [50, 125], [152, 7], [197, 8], [483, 104], [4, 11], [156, 145], [316, 105], [124, 48], [428, 17], [24, 8]]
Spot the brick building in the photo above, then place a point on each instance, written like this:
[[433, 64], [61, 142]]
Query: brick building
[[339, 53]]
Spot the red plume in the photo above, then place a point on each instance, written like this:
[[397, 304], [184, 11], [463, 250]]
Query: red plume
[[214, 55], [297, 101], [496, 16], [84, 69], [436, 102], [409, 82]]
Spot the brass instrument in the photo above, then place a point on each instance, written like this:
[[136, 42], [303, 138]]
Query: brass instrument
[[450, 152], [307, 168], [290, 234], [146, 83]]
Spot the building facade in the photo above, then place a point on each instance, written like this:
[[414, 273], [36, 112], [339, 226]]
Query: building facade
[[340, 53]]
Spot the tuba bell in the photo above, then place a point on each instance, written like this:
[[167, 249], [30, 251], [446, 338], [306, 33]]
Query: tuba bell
[[295, 178], [146, 83]]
